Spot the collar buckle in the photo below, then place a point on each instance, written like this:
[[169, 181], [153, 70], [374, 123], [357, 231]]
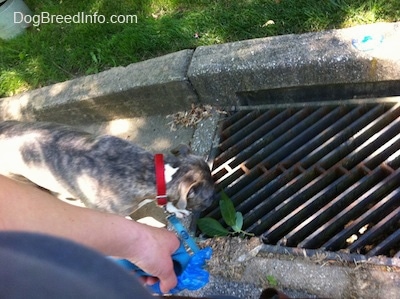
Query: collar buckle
[[162, 200]]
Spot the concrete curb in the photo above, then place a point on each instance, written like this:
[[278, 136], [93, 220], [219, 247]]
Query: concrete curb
[[268, 70], [278, 68], [152, 87]]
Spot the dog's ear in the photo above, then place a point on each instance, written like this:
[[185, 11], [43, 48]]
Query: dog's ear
[[184, 190], [181, 150]]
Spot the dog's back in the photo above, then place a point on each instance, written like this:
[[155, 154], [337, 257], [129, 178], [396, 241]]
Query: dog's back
[[105, 172], [69, 162]]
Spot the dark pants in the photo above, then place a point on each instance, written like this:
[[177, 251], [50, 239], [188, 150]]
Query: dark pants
[[38, 266], [43, 267]]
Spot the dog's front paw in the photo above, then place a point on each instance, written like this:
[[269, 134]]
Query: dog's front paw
[[180, 213]]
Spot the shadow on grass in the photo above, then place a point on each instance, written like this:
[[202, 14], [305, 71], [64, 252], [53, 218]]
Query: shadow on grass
[[51, 53]]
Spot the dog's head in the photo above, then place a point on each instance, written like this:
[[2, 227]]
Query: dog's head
[[192, 186]]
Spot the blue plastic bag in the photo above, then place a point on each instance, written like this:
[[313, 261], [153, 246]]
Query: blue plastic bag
[[194, 276]]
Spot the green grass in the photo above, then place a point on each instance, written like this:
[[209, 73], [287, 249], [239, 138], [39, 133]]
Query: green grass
[[52, 53]]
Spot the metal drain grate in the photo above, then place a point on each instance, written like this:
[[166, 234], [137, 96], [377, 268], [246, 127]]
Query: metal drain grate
[[314, 177]]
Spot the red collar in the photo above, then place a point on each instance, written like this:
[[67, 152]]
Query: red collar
[[160, 180]]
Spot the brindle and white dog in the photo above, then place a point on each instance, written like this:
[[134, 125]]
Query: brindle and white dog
[[105, 172]]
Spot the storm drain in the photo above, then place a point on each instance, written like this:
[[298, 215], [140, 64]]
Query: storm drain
[[315, 177]]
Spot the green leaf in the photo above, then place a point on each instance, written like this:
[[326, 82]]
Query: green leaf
[[239, 222], [227, 209], [211, 227]]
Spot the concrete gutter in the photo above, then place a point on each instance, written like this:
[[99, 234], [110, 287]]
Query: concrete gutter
[[267, 70]]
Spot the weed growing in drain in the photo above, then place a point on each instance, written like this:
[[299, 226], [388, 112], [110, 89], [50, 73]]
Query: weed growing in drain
[[272, 281], [212, 228]]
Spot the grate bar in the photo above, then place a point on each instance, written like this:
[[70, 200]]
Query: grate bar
[[334, 205], [381, 209], [341, 137], [391, 241], [261, 140], [321, 176], [261, 211], [325, 196], [286, 137], [318, 141], [230, 133], [256, 126], [234, 123], [289, 225], [332, 208], [342, 218], [310, 156], [385, 150], [274, 200], [246, 140], [245, 187], [372, 144], [378, 229], [245, 181], [273, 134], [286, 207], [274, 156], [360, 137]]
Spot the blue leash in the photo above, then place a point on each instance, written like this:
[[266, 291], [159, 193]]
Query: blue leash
[[182, 233]]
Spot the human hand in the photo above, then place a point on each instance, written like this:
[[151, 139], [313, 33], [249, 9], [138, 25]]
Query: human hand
[[152, 252]]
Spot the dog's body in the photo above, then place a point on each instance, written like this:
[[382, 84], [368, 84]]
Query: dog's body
[[105, 172]]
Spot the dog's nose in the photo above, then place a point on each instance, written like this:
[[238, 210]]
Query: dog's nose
[[207, 203], [215, 197]]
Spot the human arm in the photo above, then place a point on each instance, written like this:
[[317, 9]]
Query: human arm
[[24, 207]]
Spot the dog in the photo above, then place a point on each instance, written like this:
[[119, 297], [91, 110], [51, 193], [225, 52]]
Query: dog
[[105, 172]]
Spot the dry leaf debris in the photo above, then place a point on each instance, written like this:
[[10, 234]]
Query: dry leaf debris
[[190, 118]]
